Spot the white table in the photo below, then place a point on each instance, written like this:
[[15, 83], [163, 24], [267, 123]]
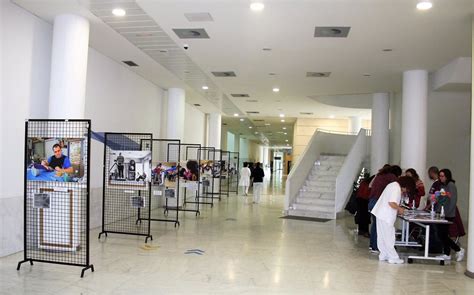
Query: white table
[[424, 220]]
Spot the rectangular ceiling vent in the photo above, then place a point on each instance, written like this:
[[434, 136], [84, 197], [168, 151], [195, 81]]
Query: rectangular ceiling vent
[[251, 100], [318, 74], [306, 113], [331, 32], [199, 17], [239, 95], [191, 33], [197, 105], [259, 120], [252, 112], [130, 63], [224, 74]]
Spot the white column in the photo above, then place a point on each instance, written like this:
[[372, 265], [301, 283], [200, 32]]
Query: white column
[[380, 131], [355, 123], [470, 234], [175, 116], [67, 90], [414, 121], [214, 130]]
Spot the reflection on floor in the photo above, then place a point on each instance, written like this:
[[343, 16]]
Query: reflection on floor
[[244, 248]]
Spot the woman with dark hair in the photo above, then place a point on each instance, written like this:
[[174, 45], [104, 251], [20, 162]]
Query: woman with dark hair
[[386, 175], [245, 178], [193, 169], [257, 175], [448, 202], [420, 188], [386, 211]]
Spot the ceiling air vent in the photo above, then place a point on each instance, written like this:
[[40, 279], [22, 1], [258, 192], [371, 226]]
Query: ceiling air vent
[[306, 113], [130, 63], [224, 74], [199, 17], [251, 100], [197, 105], [239, 95], [259, 120], [252, 112], [191, 33], [331, 32], [318, 74]]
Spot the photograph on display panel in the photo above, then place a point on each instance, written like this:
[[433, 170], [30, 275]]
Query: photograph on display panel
[[55, 159], [165, 174], [130, 168]]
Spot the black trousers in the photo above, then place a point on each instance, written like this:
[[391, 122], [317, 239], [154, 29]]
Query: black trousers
[[443, 233], [363, 215]]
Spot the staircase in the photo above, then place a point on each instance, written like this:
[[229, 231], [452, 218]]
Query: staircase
[[316, 198]]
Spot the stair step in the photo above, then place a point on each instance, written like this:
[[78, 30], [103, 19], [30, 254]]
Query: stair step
[[321, 183], [311, 207], [315, 201], [313, 214], [317, 195], [322, 189]]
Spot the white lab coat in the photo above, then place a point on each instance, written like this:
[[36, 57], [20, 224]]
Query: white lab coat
[[244, 177]]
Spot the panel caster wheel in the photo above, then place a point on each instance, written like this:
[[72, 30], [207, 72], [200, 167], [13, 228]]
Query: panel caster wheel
[[410, 261], [441, 262]]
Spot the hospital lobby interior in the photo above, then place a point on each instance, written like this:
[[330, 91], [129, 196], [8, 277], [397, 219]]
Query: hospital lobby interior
[[235, 146]]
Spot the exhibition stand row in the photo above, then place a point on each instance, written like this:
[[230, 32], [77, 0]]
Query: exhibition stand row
[[145, 180]]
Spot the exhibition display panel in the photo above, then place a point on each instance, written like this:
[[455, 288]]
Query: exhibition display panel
[[126, 206], [233, 173], [56, 192], [207, 159], [224, 177]]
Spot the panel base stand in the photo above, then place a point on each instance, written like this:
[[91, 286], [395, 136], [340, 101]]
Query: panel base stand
[[91, 267], [23, 261]]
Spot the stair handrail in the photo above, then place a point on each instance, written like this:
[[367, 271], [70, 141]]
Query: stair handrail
[[302, 168], [350, 169]]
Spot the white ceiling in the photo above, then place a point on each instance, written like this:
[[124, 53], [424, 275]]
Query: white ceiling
[[426, 40]]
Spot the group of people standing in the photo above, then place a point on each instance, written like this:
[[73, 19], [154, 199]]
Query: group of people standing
[[252, 174], [388, 193]]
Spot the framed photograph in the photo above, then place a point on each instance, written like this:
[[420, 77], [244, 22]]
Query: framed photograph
[[55, 159], [170, 193], [41, 201], [130, 168], [137, 201], [165, 174]]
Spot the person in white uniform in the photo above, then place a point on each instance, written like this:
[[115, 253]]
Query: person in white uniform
[[245, 179], [386, 211]]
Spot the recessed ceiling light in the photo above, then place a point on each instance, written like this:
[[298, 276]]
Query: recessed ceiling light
[[119, 12], [282, 120], [236, 115], [286, 140], [282, 115], [257, 6], [424, 5], [332, 116], [267, 124], [205, 87], [285, 133], [284, 128], [276, 89], [256, 132], [250, 127], [241, 120]]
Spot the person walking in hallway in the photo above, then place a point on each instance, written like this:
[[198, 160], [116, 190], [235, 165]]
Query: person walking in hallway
[[245, 179], [257, 176]]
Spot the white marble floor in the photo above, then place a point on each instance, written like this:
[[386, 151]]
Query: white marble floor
[[248, 250]]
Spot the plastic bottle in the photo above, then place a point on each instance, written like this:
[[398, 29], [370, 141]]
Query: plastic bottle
[[442, 215]]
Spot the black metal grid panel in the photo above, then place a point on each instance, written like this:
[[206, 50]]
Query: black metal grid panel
[[234, 172], [56, 199], [127, 196], [206, 190], [189, 189], [166, 182], [224, 175]]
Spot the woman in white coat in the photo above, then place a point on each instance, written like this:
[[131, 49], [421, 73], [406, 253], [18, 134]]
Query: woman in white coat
[[245, 179], [386, 211]]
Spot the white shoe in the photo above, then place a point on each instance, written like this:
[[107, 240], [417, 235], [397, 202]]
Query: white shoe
[[383, 258], [444, 257], [374, 251], [460, 255], [396, 261]]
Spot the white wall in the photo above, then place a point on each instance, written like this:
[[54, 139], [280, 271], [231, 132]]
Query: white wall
[[116, 100], [194, 125], [26, 53]]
